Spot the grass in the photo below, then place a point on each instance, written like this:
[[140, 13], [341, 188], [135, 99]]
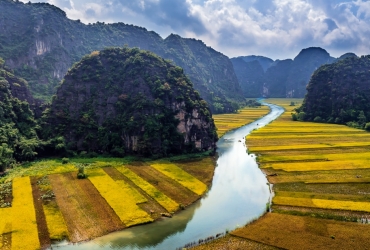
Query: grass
[[179, 175], [123, 204], [24, 227], [162, 199], [227, 122]]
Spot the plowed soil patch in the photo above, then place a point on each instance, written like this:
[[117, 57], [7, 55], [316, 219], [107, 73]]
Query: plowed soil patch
[[169, 187], [40, 216], [151, 206], [86, 213]]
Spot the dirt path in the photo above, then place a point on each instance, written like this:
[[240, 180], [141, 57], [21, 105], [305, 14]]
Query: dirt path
[[169, 187], [86, 213], [42, 227]]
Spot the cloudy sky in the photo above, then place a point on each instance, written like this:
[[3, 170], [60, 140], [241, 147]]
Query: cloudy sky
[[275, 28]]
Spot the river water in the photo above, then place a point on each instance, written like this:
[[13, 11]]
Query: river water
[[239, 194]]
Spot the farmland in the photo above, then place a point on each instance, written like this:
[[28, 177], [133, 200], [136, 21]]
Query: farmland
[[227, 122], [44, 201], [321, 177]]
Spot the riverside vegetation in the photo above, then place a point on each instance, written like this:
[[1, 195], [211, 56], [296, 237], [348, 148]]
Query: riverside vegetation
[[61, 206], [321, 180]]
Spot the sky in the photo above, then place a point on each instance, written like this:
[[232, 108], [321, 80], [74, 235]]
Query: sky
[[278, 29]]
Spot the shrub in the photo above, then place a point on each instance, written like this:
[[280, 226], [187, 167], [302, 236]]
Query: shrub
[[367, 126], [81, 173], [294, 117], [301, 116], [317, 119], [292, 104], [65, 160]]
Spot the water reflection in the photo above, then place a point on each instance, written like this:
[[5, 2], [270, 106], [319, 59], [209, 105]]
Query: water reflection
[[239, 194]]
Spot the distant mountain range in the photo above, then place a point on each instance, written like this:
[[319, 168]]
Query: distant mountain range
[[261, 76], [41, 44]]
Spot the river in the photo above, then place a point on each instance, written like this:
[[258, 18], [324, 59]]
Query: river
[[238, 195]]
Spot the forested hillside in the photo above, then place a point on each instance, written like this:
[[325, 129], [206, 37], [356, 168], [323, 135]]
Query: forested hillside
[[40, 43], [120, 101], [339, 93]]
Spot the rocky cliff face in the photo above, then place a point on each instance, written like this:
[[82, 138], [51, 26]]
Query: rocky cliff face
[[340, 93], [42, 43], [125, 100], [251, 76]]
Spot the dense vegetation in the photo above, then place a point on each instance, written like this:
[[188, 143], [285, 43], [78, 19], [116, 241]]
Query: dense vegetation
[[280, 78], [41, 44], [339, 93], [123, 100], [18, 137]]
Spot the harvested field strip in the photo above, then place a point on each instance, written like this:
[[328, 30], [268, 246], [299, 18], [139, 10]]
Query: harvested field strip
[[296, 232], [162, 199], [312, 146], [42, 228], [166, 185], [202, 169], [334, 181], [150, 206], [123, 183], [320, 203], [323, 196], [179, 175], [24, 227], [321, 165], [86, 213], [56, 225], [54, 219], [123, 204]]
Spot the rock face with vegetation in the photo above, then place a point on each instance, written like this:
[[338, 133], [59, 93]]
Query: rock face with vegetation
[[41, 44], [339, 93], [123, 100], [18, 137], [280, 78]]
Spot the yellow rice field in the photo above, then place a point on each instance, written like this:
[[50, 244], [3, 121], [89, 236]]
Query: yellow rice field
[[162, 199], [179, 175], [312, 153], [123, 204], [24, 226], [226, 122], [56, 225]]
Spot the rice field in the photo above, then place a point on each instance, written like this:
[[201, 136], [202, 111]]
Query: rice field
[[48, 203], [120, 200], [179, 175], [170, 205], [227, 122], [306, 153]]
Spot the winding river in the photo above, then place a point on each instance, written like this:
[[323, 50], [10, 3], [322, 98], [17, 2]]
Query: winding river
[[239, 194]]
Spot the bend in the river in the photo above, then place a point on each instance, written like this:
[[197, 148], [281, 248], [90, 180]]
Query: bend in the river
[[239, 194]]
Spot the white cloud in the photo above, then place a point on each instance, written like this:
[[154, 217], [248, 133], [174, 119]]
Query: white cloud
[[275, 28]]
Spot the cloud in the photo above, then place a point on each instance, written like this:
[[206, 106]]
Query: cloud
[[274, 28]]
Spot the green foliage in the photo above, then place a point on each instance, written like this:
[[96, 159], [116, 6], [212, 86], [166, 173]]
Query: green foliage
[[81, 172], [292, 104], [18, 129], [65, 160], [134, 111], [301, 116], [339, 93], [367, 126], [294, 117]]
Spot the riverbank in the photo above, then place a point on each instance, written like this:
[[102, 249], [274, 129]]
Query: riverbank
[[321, 179]]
